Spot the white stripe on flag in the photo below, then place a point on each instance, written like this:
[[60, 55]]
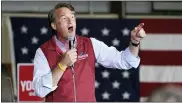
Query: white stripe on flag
[[160, 73], [162, 42]]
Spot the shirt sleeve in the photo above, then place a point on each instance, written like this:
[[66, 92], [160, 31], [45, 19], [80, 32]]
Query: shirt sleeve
[[42, 77], [110, 57]]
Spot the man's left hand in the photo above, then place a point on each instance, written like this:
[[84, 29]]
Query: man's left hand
[[138, 33]]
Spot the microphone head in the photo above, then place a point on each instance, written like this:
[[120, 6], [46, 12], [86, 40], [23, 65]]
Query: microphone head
[[71, 41], [71, 38]]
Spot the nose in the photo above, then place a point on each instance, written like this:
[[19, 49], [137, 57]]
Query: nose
[[69, 21]]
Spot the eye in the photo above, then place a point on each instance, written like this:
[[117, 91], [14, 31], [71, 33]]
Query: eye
[[63, 18], [73, 16]]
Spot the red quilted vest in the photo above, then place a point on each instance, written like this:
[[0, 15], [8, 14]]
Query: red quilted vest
[[84, 72]]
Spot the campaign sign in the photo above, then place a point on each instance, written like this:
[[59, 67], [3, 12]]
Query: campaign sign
[[25, 83]]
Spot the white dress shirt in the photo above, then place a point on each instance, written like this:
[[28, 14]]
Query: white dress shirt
[[108, 57]]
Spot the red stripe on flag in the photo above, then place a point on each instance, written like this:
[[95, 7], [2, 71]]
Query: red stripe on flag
[[147, 88], [162, 25], [161, 57]]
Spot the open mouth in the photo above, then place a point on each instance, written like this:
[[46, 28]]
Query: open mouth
[[70, 29]]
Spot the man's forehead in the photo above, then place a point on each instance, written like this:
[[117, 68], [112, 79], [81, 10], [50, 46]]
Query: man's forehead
[[63, 11]]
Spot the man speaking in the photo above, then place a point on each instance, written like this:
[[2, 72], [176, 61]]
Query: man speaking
[[64, 66]]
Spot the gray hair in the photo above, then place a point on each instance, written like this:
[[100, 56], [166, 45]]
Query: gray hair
[[169, 93]]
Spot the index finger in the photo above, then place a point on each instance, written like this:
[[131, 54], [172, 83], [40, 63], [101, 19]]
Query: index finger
[[73, 50], [139, 27]]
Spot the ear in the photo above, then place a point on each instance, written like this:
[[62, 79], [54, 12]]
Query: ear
[[53, 25]]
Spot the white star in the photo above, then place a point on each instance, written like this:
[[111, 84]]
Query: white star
[[105, 74], [125, 32], [35, 40], [126, 95], [115, 42], [43, 30], [115, 84], [125, 74], [105, 95], [84, 31], [97, 84], [24, 29], [96, 65], [105, 32], [24, 50]]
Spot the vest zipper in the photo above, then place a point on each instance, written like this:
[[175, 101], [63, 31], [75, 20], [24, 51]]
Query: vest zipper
[[74, 84]]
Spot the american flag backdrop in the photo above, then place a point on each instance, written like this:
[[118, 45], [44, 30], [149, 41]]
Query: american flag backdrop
[[160, 52]]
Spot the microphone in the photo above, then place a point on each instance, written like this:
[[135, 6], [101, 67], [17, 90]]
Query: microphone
[[71, 40]]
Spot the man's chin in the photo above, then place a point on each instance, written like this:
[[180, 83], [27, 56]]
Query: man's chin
[[71, 34]]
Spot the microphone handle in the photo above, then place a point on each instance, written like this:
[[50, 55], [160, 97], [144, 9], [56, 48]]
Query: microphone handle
[[71, 46], [72, 66]]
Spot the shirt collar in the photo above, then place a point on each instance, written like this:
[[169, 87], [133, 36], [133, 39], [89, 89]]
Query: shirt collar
[[61, 45]]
